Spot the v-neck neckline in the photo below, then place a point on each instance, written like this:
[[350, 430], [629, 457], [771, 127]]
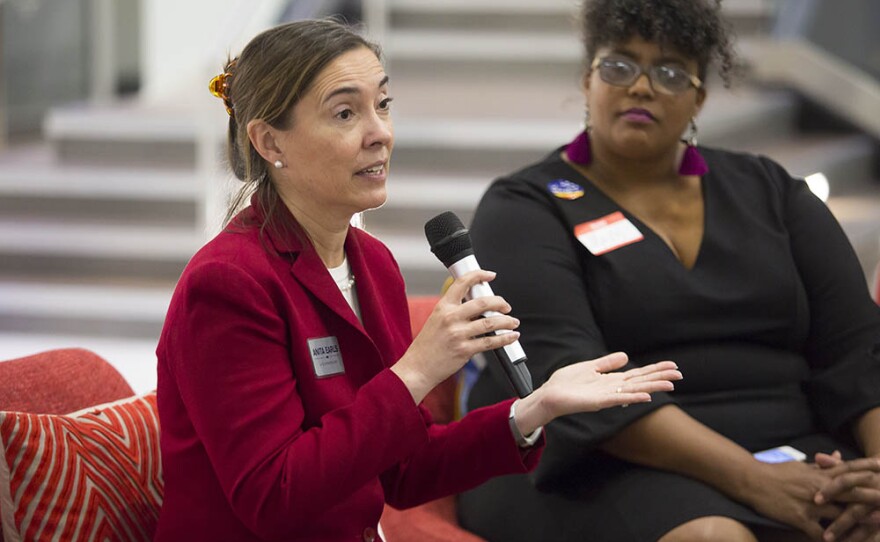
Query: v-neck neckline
[[644, 227]]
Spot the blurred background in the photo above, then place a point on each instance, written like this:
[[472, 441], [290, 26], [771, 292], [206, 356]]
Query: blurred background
[[112, 170]]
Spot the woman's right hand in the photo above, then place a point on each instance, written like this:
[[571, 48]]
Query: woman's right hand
[[785, 492], [453, 334]]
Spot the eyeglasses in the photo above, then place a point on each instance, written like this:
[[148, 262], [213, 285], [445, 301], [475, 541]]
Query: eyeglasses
[[664, 78]]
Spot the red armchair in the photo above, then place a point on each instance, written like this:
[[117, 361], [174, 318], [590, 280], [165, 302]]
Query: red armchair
[[876, 285], [58, 382]]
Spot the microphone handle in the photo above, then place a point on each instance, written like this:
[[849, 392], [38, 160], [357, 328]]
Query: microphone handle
[[517, 372], [511, 357]]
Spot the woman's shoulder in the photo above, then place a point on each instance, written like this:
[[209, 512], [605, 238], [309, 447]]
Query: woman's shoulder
[[372, 250], [551, 165], [749, 172], [730, 161], [234, 251], [232, 244], [533, 182], [370, 246], [368, 241]]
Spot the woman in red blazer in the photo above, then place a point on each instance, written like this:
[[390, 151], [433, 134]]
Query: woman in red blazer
[[289, 382]]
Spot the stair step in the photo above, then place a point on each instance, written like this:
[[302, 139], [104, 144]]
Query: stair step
[[122, 121], [432, 192], [732, 8], [98, 240], [423, 273], [109, 211], [103, 310], [847, 160], [415, 199], [484, 6], [94, 251], [428, 45], [97, 182], [132, 134], [43, 188], [125, 303], [561, 16], [465, 133], [744, 116]]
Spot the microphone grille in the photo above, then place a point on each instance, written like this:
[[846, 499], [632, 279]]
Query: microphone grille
[[448, 238]]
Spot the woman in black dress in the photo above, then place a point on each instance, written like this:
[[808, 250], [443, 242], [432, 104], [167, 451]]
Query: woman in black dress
[[631, 239]]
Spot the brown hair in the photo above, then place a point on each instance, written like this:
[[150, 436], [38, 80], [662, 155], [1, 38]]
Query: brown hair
[[274, 71]]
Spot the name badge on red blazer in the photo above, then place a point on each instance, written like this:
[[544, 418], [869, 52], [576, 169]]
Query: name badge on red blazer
[[326, 357]]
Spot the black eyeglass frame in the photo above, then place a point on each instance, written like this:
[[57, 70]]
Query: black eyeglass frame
[[640, 70]]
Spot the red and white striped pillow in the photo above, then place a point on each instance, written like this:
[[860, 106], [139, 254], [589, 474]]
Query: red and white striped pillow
[[90, 475]]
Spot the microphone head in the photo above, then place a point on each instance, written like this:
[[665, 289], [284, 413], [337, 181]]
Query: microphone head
[[448, 238]]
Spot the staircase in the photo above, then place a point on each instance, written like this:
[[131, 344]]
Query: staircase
[[97, 222]]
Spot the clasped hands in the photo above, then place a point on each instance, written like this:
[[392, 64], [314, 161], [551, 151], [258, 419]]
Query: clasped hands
[[855, 488], [829, 500]]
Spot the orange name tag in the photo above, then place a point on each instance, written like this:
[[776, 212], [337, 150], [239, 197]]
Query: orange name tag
[[607, 233]]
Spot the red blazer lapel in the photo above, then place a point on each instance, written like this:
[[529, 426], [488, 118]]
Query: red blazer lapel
[[307, 267], [310, 271], [381, 294]]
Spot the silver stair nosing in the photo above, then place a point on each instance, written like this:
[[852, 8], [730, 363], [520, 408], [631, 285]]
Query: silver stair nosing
[[492, 46], [86, 301], [139, 243], [429, 192], [59, 180], [731, 8]]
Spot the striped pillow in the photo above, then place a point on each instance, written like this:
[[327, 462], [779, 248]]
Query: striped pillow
[[90, 475]]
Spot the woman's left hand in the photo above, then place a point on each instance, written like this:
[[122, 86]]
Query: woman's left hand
[[856, 485], [589, 386]]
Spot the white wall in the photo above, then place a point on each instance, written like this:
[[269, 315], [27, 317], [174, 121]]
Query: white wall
[[185, 43]]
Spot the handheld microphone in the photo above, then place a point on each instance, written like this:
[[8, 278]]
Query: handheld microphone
[[451, 243]]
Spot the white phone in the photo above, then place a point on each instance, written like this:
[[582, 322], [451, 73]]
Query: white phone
[[780, 454]]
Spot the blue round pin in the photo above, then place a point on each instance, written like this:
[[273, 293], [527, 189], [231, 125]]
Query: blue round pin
[[565, 189]]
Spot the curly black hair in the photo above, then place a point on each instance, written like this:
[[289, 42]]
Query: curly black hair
[[693, 27]]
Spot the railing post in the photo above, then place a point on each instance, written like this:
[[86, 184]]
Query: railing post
[[377, 19], [4, 77], [103, 51]]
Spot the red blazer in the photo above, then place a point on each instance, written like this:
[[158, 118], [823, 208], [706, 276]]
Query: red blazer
[[256, 445]]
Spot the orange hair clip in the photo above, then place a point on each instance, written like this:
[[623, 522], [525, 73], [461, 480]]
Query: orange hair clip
[[219, 86]]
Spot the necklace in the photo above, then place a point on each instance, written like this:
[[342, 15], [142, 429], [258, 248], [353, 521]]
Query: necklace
[[342, 276], [347, 285]]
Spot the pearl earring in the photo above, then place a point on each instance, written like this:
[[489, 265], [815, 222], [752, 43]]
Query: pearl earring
[[279, 164]]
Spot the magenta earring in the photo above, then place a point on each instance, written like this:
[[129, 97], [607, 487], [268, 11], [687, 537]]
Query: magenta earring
[[692, 162], [578, 151]]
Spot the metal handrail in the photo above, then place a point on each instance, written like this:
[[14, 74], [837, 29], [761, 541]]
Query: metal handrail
[[828, 80]]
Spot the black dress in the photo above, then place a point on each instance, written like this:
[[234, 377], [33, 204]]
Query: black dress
[[773, 329]]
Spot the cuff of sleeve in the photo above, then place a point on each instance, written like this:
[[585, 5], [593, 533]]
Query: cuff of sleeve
[[526, 459], [523, 441]]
